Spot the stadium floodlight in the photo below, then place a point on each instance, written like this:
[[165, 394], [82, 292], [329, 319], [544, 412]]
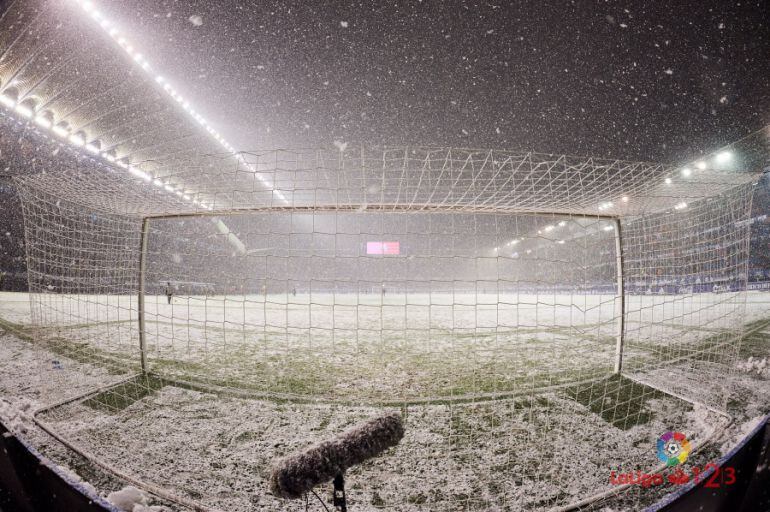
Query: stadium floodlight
[[44, 119], [668, 181], [624, 199], [9, 97], [724, 156], [7, 100], [700, 165], [562, 223], [26, 108], [686, 172], [139, 173], [95, 146], [62, 129], [142, 62], [680, 206], [606, 205], [78, 138]]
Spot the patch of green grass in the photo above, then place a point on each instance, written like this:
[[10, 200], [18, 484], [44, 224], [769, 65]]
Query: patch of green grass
[[123, 395], [620, 401], [721, 346], [377, 500], [755, 343], [16, 329]]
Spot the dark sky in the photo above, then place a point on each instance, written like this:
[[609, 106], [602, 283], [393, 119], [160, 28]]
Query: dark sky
[[639, 80]]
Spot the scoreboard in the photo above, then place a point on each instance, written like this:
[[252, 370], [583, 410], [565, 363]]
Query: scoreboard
[[383, 248]]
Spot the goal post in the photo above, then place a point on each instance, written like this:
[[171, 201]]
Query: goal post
[[140, 298], [512, 294], [621, 300]]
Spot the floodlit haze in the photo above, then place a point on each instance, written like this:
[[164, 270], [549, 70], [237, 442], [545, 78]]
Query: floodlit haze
[[622, 79]]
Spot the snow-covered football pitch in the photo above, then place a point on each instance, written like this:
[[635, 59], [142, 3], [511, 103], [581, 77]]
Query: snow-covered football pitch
[[510, 402]]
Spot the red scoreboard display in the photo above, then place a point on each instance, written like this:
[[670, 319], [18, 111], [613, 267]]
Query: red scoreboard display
[[383, 248]]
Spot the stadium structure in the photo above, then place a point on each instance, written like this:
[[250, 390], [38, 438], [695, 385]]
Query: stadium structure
[[538, 320]]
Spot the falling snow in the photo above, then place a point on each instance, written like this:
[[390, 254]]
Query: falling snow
[[280, 75]]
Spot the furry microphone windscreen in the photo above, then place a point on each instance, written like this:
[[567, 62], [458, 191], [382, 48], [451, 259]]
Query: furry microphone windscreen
[[297, 474]]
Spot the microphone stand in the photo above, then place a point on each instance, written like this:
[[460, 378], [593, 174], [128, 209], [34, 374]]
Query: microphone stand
[[338, 498]]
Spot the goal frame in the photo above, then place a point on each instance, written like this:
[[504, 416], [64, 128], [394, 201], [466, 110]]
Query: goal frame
[[620, 311]]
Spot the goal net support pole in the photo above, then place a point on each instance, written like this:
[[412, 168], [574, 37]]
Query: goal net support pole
[[620, 312], [140, 299]]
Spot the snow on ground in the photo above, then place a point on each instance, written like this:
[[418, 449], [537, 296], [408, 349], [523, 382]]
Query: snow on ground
[[538, 450], [535, 449], [758, 366], [131, 499], [377, 348], [15, 307], [16, 414]]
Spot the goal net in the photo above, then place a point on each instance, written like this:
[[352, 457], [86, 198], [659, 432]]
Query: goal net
[[527, 313]]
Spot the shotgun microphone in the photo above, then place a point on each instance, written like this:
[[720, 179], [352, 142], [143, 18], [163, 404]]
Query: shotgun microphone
[[297, 474]]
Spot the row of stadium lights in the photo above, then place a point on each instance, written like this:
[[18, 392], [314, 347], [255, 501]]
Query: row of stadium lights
[[548, 229], [720, 158], [45, 119], [27, 108], [140, 61]]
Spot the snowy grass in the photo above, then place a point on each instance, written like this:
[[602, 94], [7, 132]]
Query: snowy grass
[[515, 418], [369, 348], [529, 452]]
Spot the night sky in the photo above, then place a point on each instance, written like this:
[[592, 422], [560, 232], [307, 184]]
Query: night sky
[[635, 80]]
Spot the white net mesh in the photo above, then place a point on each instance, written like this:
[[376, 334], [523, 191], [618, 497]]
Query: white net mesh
[[289, 294]]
